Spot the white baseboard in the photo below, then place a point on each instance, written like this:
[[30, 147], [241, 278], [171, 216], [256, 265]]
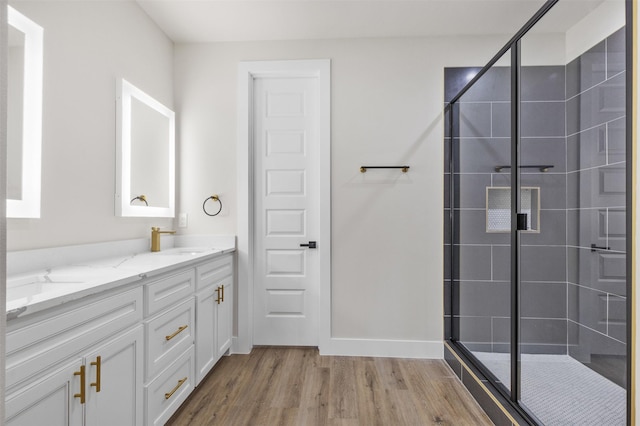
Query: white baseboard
[[239, 346], [368, 347], [384, 348]]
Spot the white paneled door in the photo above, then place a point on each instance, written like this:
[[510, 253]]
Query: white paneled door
[[286, 228]]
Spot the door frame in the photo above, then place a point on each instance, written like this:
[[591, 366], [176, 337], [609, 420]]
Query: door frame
[[247, 72]]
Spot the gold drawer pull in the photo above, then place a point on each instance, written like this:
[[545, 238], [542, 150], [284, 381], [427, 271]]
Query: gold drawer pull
[[98, 364], [222, 290], [80, 395], [218, 298], [169, 394], [175, 333]]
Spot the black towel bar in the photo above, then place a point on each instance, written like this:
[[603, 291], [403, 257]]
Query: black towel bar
[[542, 167], [405, 169]]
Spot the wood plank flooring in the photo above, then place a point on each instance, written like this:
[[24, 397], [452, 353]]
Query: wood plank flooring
[[297, 386]]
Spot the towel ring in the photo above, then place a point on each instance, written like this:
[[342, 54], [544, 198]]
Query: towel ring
[[214, 198], [141, 198]]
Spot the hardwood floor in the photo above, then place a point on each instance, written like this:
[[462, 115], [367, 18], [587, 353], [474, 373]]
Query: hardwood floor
[[296, 386]]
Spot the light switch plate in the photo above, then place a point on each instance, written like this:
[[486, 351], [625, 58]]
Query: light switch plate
[[183, 219]]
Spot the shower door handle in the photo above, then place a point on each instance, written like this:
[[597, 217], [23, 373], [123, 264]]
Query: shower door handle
[[522, 222]]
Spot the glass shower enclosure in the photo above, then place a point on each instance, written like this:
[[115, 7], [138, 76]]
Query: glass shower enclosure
[[537, 216]]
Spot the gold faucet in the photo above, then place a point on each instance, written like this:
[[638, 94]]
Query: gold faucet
[[155, 237]]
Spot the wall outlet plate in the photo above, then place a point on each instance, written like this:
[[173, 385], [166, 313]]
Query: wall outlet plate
[[183, 220]]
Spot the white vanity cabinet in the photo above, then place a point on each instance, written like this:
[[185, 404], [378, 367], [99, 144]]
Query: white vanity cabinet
[[73, 365], [214, 310], [170, 341], [106, 378], [129, 355]]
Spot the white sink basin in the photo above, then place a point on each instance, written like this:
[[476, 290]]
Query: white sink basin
[[185, 251], [144, 262]]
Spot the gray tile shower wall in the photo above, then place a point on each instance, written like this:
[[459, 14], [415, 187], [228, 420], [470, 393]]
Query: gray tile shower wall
[[587, 70], [480, 144], [543, 327], [543, 84], [482, 261], [573, 299], [595, 104]]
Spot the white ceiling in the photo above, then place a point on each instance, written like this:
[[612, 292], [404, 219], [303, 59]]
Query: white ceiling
[[195, 21]]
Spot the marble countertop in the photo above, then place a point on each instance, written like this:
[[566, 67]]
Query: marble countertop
[[49, 285]]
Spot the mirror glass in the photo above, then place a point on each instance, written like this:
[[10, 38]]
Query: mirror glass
[[24, 116], [15, 94], [146, 155]]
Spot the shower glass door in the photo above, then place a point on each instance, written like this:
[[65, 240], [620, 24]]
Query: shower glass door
[[482, 208], [539, 207], [572, 255]]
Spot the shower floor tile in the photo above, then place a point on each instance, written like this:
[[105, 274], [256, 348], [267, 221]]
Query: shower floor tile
[[561, 391]]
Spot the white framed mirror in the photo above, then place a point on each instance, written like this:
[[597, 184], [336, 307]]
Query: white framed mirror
[[145, 150], [24, 116]]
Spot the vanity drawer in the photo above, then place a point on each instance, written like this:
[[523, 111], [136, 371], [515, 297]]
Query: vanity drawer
[[164, 395], [168, 291], [40, 345], [212, 272], [168, 335]]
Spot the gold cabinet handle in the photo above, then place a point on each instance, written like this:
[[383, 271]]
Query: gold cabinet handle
[[80, 395], [98, 364], [218, 299], [169, 394], [222, 290], [175, 333]]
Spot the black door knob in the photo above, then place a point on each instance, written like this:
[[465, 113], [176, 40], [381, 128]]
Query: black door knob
[[311, 245]]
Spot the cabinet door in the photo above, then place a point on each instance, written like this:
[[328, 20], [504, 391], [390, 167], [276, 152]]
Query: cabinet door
[[116, 368], [206, 349], [224, 325], [48, 401]]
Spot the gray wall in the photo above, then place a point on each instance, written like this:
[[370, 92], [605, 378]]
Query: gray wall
[[482, 142], [481, 269], [596, 206], [543, 255]]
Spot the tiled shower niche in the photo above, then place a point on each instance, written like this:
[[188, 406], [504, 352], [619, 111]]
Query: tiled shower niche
[[573, 271], [499, 209]]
